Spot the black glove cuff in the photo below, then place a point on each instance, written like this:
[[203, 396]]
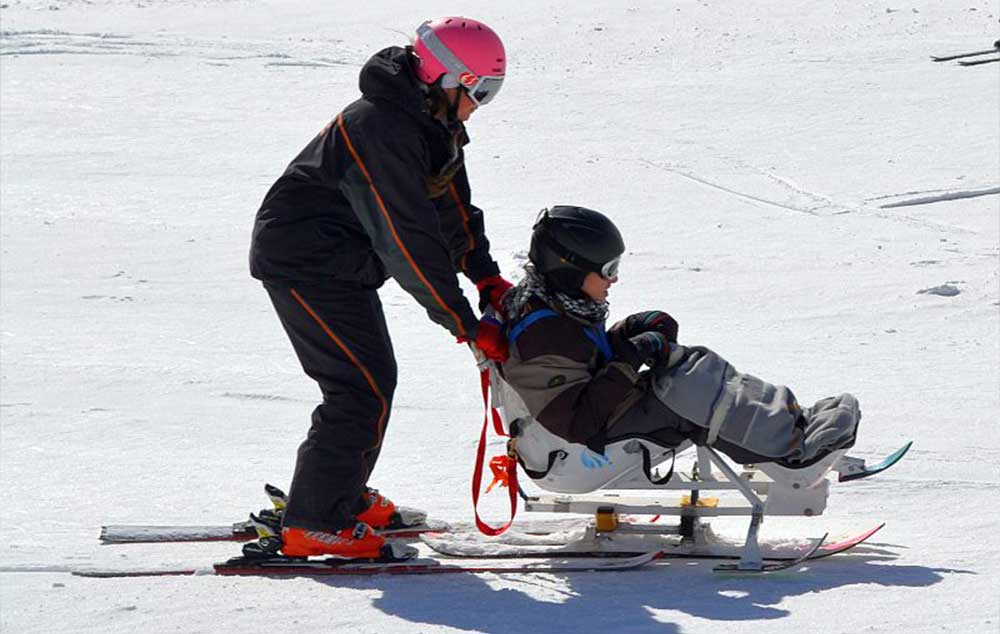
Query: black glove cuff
[[650, 346], [624, 350]]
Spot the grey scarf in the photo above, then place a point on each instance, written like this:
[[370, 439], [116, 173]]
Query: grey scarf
[[533, 285]]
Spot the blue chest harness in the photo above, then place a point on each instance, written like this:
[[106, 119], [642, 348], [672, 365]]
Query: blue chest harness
[[595, 333]]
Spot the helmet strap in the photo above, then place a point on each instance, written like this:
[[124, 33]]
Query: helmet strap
[[440, 105], [453, 106]]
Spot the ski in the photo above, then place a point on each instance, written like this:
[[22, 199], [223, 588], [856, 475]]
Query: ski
[[979, 62], [858, 471], [246, 531], [844, 545], [288, 566], [141, 534], [406, 523], [519, 563], [791, 558], [238, 532], [572, 544], [948, 58]]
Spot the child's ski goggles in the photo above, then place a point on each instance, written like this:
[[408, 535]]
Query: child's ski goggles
[[610, 268]]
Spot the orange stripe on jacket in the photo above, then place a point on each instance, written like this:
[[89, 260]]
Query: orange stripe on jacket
[[392, 227], [354, 360], [465, 222]]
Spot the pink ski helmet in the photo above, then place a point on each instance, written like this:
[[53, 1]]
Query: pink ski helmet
[[461, 52]]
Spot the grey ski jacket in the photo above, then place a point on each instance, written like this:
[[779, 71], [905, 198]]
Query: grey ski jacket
[[567, 373]]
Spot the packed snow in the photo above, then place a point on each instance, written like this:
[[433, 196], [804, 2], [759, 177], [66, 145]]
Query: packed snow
[[797, 183]]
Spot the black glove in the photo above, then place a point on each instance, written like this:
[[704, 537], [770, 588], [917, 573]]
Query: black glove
[[648, 321], [653, 347], [649, 348]]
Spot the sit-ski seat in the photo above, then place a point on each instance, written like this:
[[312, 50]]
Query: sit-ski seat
[[558, 466]]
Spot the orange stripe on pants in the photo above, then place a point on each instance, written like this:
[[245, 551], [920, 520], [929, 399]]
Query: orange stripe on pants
[[350, 355]]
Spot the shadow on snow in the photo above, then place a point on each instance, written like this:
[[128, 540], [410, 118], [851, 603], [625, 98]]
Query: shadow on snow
[[622, 601]]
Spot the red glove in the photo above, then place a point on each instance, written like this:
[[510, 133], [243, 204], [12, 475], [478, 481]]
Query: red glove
[[491, 292], [490, 341]]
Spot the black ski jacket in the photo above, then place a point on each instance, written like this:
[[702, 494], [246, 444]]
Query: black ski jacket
[[361, 202]]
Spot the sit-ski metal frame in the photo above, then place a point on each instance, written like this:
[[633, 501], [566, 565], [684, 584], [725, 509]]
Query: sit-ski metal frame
[[766, 489]]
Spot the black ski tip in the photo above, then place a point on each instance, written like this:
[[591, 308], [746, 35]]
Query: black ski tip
[[959, 56], [273, 491], [992, 60]]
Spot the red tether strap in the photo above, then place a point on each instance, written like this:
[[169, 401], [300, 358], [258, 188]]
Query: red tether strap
[[511, 463]]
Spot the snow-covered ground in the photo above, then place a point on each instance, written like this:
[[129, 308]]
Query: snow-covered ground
[[758, 157]]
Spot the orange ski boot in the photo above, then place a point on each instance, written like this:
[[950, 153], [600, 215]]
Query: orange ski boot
[[381, 512], [354, 542]]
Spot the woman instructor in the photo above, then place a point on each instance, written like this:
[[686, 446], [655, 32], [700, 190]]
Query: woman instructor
[[380, 192]]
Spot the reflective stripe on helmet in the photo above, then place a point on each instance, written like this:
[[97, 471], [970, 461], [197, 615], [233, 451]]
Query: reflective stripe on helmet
[[455, 66]]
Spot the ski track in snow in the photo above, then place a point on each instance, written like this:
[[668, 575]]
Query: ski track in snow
[[215, 52], [259, 397], [714, 185], [821, 202]]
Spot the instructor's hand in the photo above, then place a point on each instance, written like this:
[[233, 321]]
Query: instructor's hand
[[491, 292], [489, 343]]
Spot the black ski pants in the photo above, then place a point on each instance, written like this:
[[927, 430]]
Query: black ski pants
[[340, 336]]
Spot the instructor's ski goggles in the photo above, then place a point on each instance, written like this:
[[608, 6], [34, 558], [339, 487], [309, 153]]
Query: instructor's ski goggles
[[480, 89]]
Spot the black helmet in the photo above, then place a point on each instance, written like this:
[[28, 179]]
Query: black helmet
[[569, 242]]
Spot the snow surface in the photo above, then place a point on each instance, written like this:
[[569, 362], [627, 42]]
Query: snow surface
[[754, 156]]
